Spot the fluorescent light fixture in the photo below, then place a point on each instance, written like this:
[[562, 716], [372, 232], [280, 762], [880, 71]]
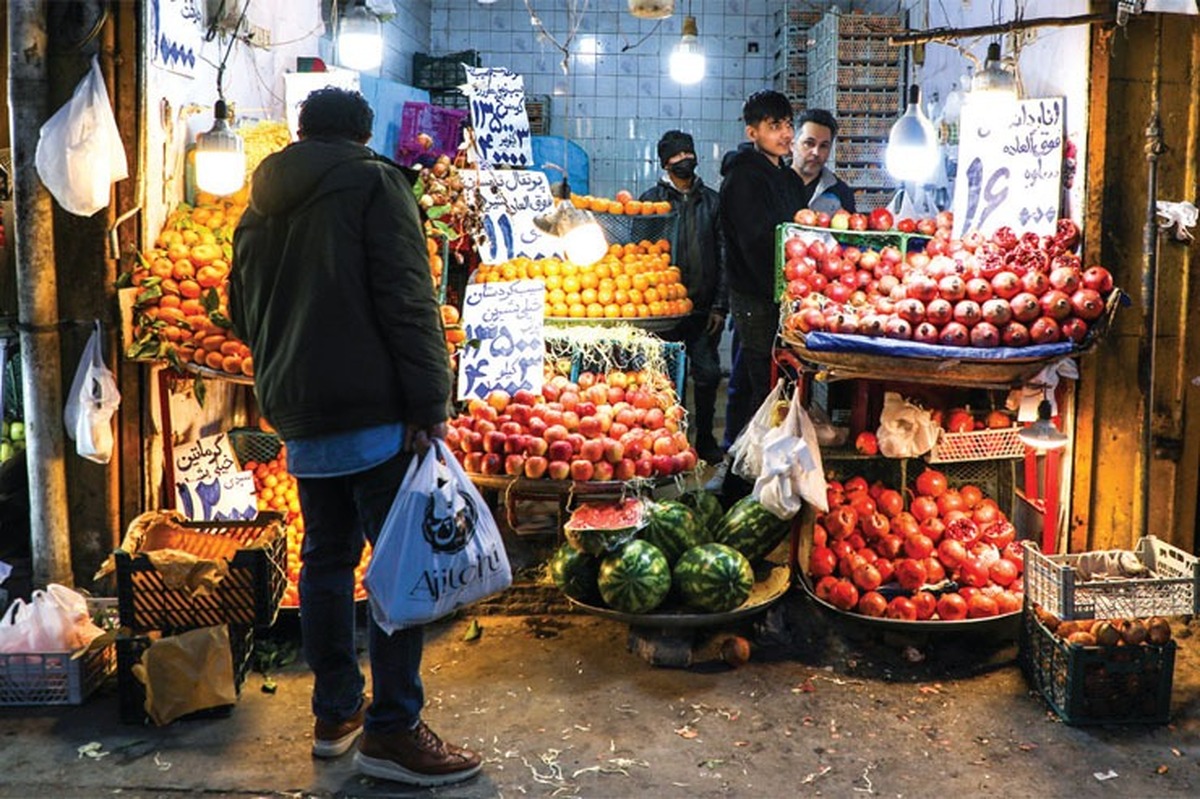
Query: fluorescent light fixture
[[994, 79], [687, 59], [912, 151], [360, 39], [220, 157]]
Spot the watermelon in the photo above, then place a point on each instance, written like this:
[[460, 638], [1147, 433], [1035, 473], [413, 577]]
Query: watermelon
[[751, 529], [636, 578], [601, 527], [713, 577], [707, 509], [575, 573], [671, 526]]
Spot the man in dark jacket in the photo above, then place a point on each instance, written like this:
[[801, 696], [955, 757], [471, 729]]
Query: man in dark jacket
[[699, 253], [330, 288], [758, 192]]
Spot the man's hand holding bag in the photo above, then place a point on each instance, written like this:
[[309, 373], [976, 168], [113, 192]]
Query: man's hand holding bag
[[439, 549]]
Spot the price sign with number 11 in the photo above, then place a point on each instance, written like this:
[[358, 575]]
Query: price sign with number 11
[[1010, 158]]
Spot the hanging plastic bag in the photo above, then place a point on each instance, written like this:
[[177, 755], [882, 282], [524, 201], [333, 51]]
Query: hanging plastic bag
[[79, 152], [439, 548], [792, 472], [747, 448], [905, 430], [91, 403]]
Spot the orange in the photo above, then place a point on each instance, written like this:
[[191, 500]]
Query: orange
[[640, 282], [573, 298], [643, 309], [588, 296], [605, 296], [552, 266], [629, 310], [570, 268], [620, 296], [571, 284], [553, 282], [559, 310], [635, 296], [615, 207], [595, 311], [660, 207], [650, 296], [612, 311], [633, 207], [555, 296], [577, 311]]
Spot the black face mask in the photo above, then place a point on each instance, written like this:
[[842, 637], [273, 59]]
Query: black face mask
[[683, 169]]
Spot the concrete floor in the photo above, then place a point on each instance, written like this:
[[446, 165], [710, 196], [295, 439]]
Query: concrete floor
[[560, 707]]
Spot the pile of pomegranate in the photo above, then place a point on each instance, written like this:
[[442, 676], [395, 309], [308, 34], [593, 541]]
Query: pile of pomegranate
[[950, 555], [1005, 290], [613, 426]]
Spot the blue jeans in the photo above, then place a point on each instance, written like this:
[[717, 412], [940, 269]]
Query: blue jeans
[[339, 514], [755, 324]]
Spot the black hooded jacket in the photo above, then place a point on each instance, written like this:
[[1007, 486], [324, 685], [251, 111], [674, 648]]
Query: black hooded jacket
[[330, 287], [699, 246], [756, 196]]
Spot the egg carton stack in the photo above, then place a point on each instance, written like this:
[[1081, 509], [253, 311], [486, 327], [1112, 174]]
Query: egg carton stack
[[855, 73], [1095, 639], [793, 24]]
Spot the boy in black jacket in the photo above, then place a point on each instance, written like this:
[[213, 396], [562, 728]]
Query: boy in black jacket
[[759, 192]]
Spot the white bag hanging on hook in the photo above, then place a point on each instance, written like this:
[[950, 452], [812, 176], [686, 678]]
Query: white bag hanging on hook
[[92, 402], [79, 151]]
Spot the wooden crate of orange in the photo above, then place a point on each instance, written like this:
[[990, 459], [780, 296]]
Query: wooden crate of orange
[[634, 280]]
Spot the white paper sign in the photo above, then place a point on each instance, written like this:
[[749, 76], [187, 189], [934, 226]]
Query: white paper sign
[[506, 321], [509, 199], [176, 34], [498, 117], [204, 459], [226, 497], [1010, 158], [297, 86]]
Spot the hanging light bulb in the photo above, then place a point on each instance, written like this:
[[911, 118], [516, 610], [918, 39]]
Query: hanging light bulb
[[582, 237], [994, 79], [687, 59], [220, 159], [360, 39], [912, 152], [1042, 435]]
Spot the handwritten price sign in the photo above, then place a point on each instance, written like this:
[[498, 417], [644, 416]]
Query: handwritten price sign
[[508, 200], [506, 346], [1009, 166], [498, 116]]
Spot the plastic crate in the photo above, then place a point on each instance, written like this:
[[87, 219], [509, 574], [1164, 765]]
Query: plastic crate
[[1171, 590], [1097, 684], [630, 228], [131, 693], [249, 594], [977, 445], [53, 678], [252, 444], [673, 352], [442, 72]]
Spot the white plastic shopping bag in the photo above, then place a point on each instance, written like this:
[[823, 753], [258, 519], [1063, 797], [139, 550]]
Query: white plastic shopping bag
[[746, 450], [439, 548], [792, 471], [79, 151], [93, 400], [54, 620], [905, 429]]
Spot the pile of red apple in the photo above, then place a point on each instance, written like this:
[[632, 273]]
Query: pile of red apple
[[1005, 290], [613, 426], [879, 220], [868, 539]]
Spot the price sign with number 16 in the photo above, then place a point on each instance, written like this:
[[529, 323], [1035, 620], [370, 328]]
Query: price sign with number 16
[[1010, 160]]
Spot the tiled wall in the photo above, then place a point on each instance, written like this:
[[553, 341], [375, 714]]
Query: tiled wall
[[408, 32], [616, 104]]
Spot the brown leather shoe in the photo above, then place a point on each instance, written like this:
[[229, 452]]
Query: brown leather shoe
[[334, 738], [417, 757]]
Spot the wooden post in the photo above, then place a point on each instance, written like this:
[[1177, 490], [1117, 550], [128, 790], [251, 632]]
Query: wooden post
[[37, 297]]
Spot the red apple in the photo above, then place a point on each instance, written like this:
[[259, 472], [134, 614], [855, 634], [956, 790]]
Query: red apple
[[582, 470], [514, 464], [535, 466], [806, 216], [558, 470], [840, 220]]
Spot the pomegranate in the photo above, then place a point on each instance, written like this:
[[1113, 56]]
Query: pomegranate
[[997, 312], [951, 607], [926, 333], [933, 529], [924, 508], [911, 310], [1015, 334], [952, 288], [1044, 331], [979, 289], [902, 609], [1087, 304], [889, 502], [910, 574], [967, 312], [931, 483], [951, 552], [1074, 329], [1097, 278], [897, 328], [1006, 285], [921, 287], [1065, 278], [939, 311], [985, 334], [1035, 283], [955, 334], [950, 500], [924, 604], [1056, 304], [963, 530], [872, 604], [1025, 307]]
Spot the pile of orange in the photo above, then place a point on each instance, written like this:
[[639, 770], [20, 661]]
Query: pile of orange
[[181, 308], [623, 203], [436, 265], [632, 281], [277, 490]]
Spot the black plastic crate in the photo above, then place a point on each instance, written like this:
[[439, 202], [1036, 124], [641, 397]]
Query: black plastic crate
[[443, 72], [131, 693], [1097, 684], [633, 228], [252, 444], [249, 594]]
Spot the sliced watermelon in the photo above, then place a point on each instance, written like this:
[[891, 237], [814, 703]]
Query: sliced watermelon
[[601, 527]]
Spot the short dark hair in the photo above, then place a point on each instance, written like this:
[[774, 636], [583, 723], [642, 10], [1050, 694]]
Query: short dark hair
[[766, 104], [818, 116], [335, 112]]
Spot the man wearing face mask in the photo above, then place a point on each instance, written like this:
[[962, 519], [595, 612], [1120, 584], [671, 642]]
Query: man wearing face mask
[[700, 255]]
